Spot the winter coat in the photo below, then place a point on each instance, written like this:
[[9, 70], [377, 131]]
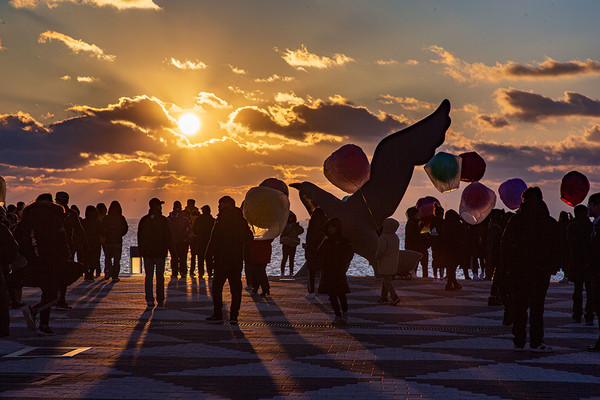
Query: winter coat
[[181, 226], [260, 251], [154, 236], [229, 234], [75, 234], [493, 247], [113, 228], [203, 227], [289, 236], [45, 223], [578, 236], [530, 245], [92, 229], [388, 248], [336, 253], [453, 233], [593, 254]]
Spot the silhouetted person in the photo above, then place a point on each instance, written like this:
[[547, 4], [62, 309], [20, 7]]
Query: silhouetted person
[[289, 241], [415, 240], [154, 241], [192, 211], [494, 254], [593, 259], [437, 243], [91, 227], [43, 242], [336, 253], [226, 243], [387, 255], [75, 238], [202, 228], [564, 219], [260, 256], [114, 227], [181, 228], [102, 211], [530, 252], [453, 235], [315, 233], [579, 231], [20, 208], [8, 253]]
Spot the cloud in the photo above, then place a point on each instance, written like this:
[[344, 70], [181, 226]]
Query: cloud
[[593, 134], [396, 62], [466, 72], [408, 103], [323, 117], [1, 48], [87, 79], [65, 78], [532, 107], [492, 121], [118, 4], [412, 62], [302, 59], [274, 78], [288, 98], [186, 64], [236, 70], [252, 95], [75, 45], [205, 98]]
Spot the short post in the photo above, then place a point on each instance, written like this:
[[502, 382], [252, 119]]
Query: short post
[[135, 260]]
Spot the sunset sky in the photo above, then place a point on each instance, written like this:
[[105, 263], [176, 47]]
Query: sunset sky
[[92, 90]]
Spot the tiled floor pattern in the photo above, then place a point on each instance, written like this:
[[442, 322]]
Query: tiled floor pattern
[[436, 344]]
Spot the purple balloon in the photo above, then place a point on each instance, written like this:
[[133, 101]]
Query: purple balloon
[[511, 191]]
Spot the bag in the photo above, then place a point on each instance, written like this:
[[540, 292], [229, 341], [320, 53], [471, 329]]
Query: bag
[[287, 241]]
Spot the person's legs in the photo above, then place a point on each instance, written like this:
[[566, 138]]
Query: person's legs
[[285, 256], [149, 266], [537, 292], [292, 255], [116, 264], [343, 302], [311, 280], [160, 280], [589, 303], [4, 310], [174, 265], [520, 317], [389, 287], [425, 263], [182, 251], [333, 299], [235, 287], [577, 297], [217, 291]]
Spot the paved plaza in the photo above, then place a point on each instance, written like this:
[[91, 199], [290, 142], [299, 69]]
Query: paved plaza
[[436, 344]]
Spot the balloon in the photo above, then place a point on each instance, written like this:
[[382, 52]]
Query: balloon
[[574, 187], [425, 207], [275, 183], [473, 167], [444, 171], [476, 203], [511, 191], [266, 211], [347, 168], [2, 191]]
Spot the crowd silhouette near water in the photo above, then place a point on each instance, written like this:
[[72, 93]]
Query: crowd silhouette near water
[[47, 245]]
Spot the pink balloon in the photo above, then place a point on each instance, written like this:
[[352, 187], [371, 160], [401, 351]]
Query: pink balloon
[[347, 168], [275, 183], [476, 203], [574, 187], [511, 191]]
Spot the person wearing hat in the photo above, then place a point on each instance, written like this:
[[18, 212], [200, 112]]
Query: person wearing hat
[[154, 241]]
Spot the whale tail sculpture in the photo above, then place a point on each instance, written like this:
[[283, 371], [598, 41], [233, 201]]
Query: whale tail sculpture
[[391, 170]]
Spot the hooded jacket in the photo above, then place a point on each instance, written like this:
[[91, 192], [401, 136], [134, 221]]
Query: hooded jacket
[[154, 236], [388, 248], [181, 226], [229, 234]]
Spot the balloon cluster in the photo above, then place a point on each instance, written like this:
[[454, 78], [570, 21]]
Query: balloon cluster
[[266, 208]]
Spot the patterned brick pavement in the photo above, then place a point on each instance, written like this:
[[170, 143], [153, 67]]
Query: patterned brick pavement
[[436, 344]]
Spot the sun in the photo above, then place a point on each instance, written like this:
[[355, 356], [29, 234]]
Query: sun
[[189, 123]]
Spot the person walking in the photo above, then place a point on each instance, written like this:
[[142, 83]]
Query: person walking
[[437, 242], [181, 228], [453, 236], [593, 260], [192, 211], [315, 233], [531, 254], [579, 231], [154, 241], [43, 242], [91, 227], [202, 229], [336, 253], [387, 255], [102, 211], [260, 256], [226, 243], [289, 241], [114, 227]]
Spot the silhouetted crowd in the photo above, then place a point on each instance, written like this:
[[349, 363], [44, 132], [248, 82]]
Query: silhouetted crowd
[[47, 244]]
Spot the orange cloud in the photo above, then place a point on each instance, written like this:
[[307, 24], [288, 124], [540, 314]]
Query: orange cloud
[[492, 121], [186, 64], [408, 103], [77, 46], [236, 70], [118, 4], [466, 72], [205, 98], [274, 78], [302, 58]]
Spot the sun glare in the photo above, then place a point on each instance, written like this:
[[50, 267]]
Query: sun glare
[[189, 124]]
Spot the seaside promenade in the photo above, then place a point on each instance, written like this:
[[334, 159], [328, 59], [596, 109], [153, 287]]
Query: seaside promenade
[[436, 344]]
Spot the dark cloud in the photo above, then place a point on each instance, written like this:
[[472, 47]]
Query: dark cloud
[[553, 68], [330, 118], [531, 107], [493, 121], [593, 134]]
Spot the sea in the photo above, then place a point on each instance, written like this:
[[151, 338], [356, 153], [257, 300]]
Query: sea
[[358, 267]]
